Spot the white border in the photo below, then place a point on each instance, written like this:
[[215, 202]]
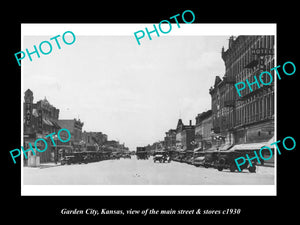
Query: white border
[[149, 190]]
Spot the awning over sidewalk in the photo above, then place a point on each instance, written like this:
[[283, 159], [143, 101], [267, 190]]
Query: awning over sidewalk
[[55, 124], [47, 122], [198, 149], [211, 149], [225, 147], [253, 146]]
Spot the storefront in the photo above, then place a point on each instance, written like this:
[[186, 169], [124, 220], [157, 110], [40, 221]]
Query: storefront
[[265, 153]]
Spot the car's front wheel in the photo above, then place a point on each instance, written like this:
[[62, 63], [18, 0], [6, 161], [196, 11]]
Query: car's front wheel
[[252, 169]]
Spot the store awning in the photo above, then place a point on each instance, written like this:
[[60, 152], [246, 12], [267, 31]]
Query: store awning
[[198, 149], [225, 147], [252, 146], [47, 122], [212, 149], [55, 124]]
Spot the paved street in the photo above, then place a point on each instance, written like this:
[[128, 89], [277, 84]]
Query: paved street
[[133, 171]]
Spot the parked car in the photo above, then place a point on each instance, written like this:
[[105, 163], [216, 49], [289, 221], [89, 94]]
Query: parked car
[[73, 158], [161, 156], [211, 158], [199, 159], [126, 156], [226, 160]]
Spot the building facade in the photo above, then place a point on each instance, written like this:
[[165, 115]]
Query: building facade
[[93, 141], [170, 140], [249, 118], [203, 128], [75, 128], [185, 136], [40, 119]]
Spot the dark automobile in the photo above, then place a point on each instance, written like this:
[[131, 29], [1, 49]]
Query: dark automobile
[[180, 157], [198, 159], [226, 160], [161, 156], [126, 156], [74, 158], [210, 159], [141, 153], [115, 155], [68, 159], [188, 157]]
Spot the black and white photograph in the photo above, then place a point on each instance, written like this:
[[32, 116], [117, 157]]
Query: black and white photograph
[[147, 112], [150, 115]]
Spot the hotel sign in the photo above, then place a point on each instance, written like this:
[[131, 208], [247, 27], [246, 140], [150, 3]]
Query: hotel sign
[[262, 51]]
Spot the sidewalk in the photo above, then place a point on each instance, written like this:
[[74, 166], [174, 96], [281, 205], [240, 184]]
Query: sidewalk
[[45, 165]]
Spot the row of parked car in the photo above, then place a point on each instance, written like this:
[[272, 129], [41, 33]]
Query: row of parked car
[[91, 156], [216, 159]]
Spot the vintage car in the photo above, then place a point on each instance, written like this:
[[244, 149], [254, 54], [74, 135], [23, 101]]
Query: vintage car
[[68, 159], [126, 156], [211, 158], [199, 159], [73, 158], [226, 160], [181, 156], [161, 156], [115, 155], [141, 153], [188, 157]]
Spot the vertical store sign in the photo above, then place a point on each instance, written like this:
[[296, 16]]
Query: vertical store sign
[[28, 111], [40, 121]]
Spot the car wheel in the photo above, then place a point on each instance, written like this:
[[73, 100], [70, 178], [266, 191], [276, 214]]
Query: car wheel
[[220, 168], [252, 169]]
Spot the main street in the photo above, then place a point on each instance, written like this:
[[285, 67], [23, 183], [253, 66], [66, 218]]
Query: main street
[[142, 172]]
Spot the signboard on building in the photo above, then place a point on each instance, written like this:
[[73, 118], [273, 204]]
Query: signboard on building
[[261, 63], [28, 110], [262, 51]]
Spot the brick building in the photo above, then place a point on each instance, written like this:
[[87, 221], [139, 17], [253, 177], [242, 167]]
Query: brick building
[[203, 127], [40, 119], [93, 140], [249, 119], [170, 140], [185, 136], [75, 128]]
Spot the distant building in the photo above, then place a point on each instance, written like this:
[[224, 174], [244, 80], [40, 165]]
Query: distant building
[[185, 136], [93, 141], [75, 128], [170, 139], [203, 128]]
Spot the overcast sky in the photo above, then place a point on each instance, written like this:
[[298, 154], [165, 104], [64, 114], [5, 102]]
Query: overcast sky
[[133, 93]]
